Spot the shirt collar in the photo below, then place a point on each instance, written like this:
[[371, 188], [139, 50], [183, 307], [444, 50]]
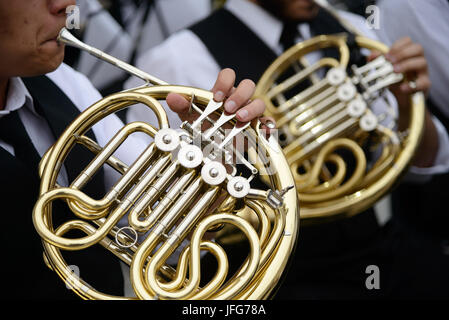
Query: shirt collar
[[18, 97], [265, 25]]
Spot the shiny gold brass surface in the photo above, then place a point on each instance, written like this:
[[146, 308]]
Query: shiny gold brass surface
[[161, 207], [311, 96]]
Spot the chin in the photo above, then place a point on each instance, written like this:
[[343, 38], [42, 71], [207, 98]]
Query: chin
[[50, 55], [306, 13], [57, 62], [312, 14], [51, 64], [43, 67]]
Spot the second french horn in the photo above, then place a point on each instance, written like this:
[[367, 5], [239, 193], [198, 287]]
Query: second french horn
[[344, 147]]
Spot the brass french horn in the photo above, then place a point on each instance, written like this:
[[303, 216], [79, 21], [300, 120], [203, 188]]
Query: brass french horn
[[344, 152], [170, 197]]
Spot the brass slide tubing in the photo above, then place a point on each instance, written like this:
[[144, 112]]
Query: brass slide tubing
[[314, 134]]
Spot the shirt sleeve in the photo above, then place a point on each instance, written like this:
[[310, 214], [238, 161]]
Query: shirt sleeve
[[402, 18], [441, 164]]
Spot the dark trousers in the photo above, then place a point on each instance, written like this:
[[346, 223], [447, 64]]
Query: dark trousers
[[331, 260]]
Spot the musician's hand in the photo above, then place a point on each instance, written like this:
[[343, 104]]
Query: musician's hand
[[408, 58], [237, 99]]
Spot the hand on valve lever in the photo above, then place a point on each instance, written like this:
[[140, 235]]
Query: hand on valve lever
[[408, 58], [237, 100]]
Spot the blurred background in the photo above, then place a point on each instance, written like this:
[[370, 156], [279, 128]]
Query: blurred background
[[127, 28]]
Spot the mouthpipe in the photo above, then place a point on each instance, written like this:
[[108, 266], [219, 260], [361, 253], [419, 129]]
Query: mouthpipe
[[67, 38]]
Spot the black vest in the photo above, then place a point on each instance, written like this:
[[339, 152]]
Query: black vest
[[25, 274], [249, 55]]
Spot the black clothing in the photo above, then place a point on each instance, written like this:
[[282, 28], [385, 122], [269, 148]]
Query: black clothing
[[420, 214], [26, 275]]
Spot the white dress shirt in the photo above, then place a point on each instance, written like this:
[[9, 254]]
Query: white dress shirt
[[183, 59], [78, 88], [426, 22], [103, 32]]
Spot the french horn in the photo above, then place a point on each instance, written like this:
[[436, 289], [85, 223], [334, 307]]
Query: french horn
[[175, 192], [344, 150]]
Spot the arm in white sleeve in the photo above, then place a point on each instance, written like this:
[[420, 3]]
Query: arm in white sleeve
[[441, 164]]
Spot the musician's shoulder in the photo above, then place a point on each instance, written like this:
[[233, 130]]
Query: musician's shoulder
[[75, 85], [181, 59]]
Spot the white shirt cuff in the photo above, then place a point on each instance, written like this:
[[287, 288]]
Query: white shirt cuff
[[441, 164]]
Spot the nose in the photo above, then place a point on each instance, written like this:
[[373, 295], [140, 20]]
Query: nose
[[58, 7]]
